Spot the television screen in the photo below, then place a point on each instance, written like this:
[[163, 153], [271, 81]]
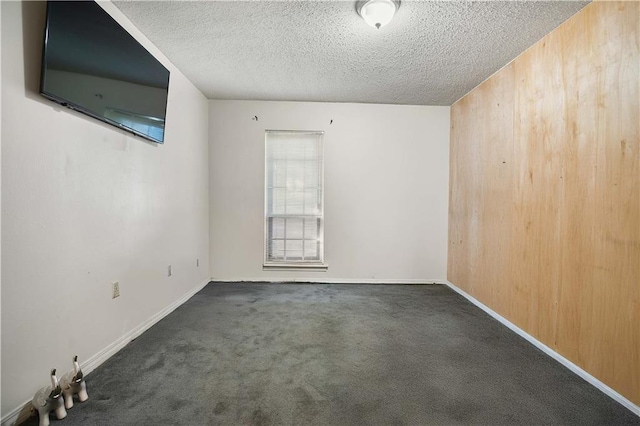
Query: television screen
[[93, 65]]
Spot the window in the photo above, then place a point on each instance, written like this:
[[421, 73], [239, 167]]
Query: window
[[293, 198]]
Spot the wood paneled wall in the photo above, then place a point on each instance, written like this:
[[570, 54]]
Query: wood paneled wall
[[544, 219]]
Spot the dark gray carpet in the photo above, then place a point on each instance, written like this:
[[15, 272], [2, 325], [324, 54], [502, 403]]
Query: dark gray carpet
[[301, 354]]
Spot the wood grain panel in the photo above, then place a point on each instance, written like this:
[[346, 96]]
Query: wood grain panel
[[545, 192], [537, 197], [481, 205]]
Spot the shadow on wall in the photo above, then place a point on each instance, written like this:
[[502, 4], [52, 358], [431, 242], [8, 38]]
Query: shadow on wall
[[33, 19]]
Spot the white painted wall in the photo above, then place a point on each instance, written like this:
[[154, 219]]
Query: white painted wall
[[386, 188], [85, 204]]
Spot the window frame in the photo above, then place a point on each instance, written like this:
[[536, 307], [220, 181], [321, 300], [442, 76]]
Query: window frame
[[302, 264]]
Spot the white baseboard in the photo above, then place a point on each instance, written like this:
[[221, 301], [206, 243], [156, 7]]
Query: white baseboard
[[635, 409], [332, 280], [106, 353], [23, 412]]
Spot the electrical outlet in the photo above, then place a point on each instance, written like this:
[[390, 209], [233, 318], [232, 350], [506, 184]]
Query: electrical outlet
[[116, 290], [197, 263], [169, 271]]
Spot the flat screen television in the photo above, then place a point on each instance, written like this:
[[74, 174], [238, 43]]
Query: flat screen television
[[92, 65]]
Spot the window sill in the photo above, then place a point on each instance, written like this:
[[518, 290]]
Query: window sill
[[320, 267]]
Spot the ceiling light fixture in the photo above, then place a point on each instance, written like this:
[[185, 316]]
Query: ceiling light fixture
[[377, 13]]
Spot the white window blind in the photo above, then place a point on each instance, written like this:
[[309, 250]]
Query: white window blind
[[293, 197]]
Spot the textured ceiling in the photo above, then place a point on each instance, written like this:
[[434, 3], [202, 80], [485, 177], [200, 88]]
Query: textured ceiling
[[432, 53]]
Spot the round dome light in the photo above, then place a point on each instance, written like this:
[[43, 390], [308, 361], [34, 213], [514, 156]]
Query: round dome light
[[377, 13]]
